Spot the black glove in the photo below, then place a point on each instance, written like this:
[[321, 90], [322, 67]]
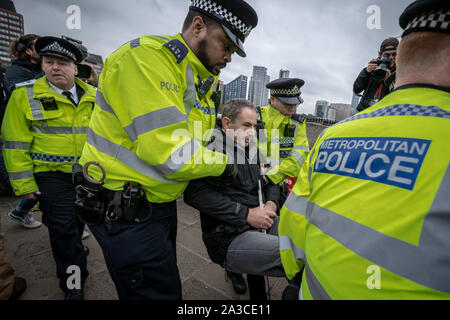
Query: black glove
[[231, 170]]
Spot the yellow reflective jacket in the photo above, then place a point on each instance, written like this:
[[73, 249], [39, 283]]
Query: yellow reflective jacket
[[292, 151], [154, 118], [43, 131], [370, 215]]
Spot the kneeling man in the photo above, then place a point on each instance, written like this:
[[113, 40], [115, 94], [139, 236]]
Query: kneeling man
[[231, 216]]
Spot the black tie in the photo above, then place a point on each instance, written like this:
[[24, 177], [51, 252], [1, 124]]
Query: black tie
[[68, 95]]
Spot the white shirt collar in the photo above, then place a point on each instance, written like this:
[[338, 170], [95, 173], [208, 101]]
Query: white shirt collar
[[73, 90]]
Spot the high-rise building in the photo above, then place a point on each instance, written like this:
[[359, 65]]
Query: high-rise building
[[11, 28], [284, 74], [339, 111], [236, 89], [258, 93], [321, 109]]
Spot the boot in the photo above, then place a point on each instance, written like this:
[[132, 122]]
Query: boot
[[238, 282]]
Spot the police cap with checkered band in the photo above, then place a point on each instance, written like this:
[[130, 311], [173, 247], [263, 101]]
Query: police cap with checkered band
[[58, 47], [287, 90], [426, 15], [237, 18]]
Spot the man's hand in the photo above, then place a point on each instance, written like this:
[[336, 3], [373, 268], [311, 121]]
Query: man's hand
[[32, 196], [261, 218], [372, 65], [271, 206]]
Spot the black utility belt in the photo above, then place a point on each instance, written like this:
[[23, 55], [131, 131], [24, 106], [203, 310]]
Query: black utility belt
[[129, 205], [96, 205]]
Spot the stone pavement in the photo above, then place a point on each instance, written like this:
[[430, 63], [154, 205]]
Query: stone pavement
[[30, 254]]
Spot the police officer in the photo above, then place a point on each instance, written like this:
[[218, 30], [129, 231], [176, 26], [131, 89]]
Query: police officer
[[286, 131], [149, 133], [371, 210], [44, 131]]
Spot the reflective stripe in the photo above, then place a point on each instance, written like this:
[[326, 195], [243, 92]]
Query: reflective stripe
[[403, 110], [298, 157], [101, 102], [161, 37], [16, 145], [125, 156], [315, 288], [426, 264], [20, 175], [179, 158], [190, 96], [59, 130], [154, 120], [296, 204], [35, 105], [52, 158], [301, 147], [286, 243]]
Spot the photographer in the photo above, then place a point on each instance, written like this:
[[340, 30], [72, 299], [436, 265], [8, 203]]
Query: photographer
[[378, 78]]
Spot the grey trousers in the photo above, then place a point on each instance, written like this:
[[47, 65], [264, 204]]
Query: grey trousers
[[255, 252]]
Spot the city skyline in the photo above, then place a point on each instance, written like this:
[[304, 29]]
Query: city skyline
[[326, 44]]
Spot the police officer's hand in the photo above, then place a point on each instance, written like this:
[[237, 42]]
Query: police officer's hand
[[32, 196], [261, 218], [372, 65]]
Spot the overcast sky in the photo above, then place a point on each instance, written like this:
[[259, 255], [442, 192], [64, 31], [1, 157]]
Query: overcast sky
[[324, 42]]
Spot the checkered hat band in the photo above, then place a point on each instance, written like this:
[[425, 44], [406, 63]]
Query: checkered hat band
[[285, 92], [56, 47], [438, 20], [213, 8]]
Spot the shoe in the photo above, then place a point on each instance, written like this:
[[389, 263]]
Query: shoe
[[238, 282], [76, 295], [86, 250], [30, 222], [26, 221], [85, 235], [20, 285]]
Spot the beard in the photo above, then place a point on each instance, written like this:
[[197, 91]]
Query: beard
[[204, 59]]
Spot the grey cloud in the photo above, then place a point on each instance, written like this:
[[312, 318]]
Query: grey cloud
[[324, 42]]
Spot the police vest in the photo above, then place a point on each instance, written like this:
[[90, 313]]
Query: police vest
[[285, 142], [370, 218], [43, 131], [153, 118]]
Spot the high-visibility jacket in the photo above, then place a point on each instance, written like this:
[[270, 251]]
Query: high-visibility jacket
[[370, 215], [287, 154], [153, 117], [43, 131]]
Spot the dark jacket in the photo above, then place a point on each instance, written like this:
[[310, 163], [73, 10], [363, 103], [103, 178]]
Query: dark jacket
[[224, 201], [20, 71], [365, 82]]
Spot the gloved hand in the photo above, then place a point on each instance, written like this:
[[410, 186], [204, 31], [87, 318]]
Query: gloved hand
[[231, 170]]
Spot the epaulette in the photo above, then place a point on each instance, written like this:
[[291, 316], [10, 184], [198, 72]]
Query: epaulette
[[26, 83], [178, 49], [299, 117]]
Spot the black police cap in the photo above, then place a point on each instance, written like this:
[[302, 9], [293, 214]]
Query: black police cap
[[237, 18], [58, 47], [426, 15], [287, 90]]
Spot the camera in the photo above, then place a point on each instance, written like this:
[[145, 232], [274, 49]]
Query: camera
[[383, 65]]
